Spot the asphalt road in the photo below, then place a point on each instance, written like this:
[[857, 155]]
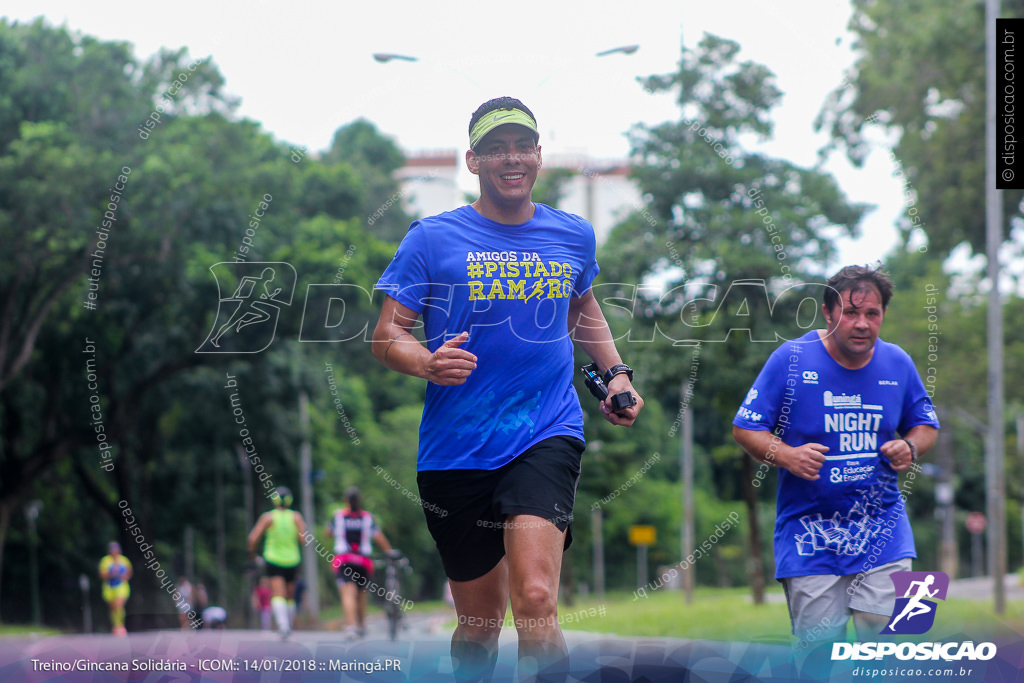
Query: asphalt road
[[982, 587], [421, 654]]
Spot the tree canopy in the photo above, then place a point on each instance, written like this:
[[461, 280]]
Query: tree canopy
[[919, 77], [136, 203]]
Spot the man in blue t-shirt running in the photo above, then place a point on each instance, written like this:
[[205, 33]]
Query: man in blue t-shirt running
[[841, 413], [504, 288]]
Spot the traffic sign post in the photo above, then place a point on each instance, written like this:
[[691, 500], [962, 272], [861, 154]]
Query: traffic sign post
[[642, 536], [976, 524]]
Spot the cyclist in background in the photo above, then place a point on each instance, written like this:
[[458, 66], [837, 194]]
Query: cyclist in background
[[116, 570], [353, 528], [283, 528]]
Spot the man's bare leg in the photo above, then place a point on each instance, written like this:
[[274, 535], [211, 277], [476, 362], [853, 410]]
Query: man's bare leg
[[533, 547], [480, 605], [869, 626], [349, 606]]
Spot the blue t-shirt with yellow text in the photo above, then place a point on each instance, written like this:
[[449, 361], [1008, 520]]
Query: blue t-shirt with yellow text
[[509, 286]]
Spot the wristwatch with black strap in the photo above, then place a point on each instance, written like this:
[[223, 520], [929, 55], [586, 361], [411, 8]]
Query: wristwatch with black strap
[[913, 450], [620, 369]]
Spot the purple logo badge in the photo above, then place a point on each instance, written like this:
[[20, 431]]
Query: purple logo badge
[[916, 593]]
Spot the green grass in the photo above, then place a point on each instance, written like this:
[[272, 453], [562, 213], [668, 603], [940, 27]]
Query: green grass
[[976, 618], [27, 629], [730, 615], [715, 614]]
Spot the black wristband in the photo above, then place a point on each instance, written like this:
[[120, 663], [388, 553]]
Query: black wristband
[[620, 369], [913, 449]]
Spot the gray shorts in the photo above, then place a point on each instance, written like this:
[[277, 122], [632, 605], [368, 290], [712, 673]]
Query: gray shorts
[[820, 606]]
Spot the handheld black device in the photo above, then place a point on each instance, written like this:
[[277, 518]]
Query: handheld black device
[[595, 383]]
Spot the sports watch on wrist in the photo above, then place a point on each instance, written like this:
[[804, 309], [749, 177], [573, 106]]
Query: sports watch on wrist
[[913, 450], [620, 369]]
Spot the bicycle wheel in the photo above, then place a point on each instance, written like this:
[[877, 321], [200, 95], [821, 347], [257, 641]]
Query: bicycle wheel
[[393, 618]]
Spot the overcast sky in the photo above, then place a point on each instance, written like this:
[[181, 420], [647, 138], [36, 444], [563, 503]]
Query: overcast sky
[[305, 68]]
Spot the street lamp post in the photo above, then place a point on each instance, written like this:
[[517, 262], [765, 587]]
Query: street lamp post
[[309, 566], [625, 50], [32, 512], [686, 466], [83, 584], [995, 487], [385, 57]]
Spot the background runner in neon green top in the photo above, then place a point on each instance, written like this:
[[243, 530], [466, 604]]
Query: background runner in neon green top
[[282, 530], [279, 545], [115, 570]]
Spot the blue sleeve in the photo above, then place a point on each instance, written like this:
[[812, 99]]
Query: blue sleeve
[[407, 277], [917, 405], [591, 269], [760, 409]]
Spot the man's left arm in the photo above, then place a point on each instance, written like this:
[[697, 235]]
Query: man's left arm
[[589, 329], [900, 452], [914, 441]]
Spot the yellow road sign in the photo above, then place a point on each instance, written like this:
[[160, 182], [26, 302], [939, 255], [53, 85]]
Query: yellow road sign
[[641, 534]]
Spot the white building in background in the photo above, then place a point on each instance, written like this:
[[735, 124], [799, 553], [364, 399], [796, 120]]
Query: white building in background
[[429, 183], [600, 190]]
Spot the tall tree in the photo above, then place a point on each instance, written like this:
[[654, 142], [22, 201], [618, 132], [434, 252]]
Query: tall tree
[[69, 107], [195, 187], [731, 235], [920, 77], [374, 157]]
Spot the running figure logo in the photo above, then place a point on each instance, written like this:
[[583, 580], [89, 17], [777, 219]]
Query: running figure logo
[[914, 613], [247, 320]]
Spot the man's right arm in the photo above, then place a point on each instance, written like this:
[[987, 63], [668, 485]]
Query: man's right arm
[[397, 349], [804, 461]]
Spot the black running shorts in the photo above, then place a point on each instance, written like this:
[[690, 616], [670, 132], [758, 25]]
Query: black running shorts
[[286, 573], [466, 509]]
